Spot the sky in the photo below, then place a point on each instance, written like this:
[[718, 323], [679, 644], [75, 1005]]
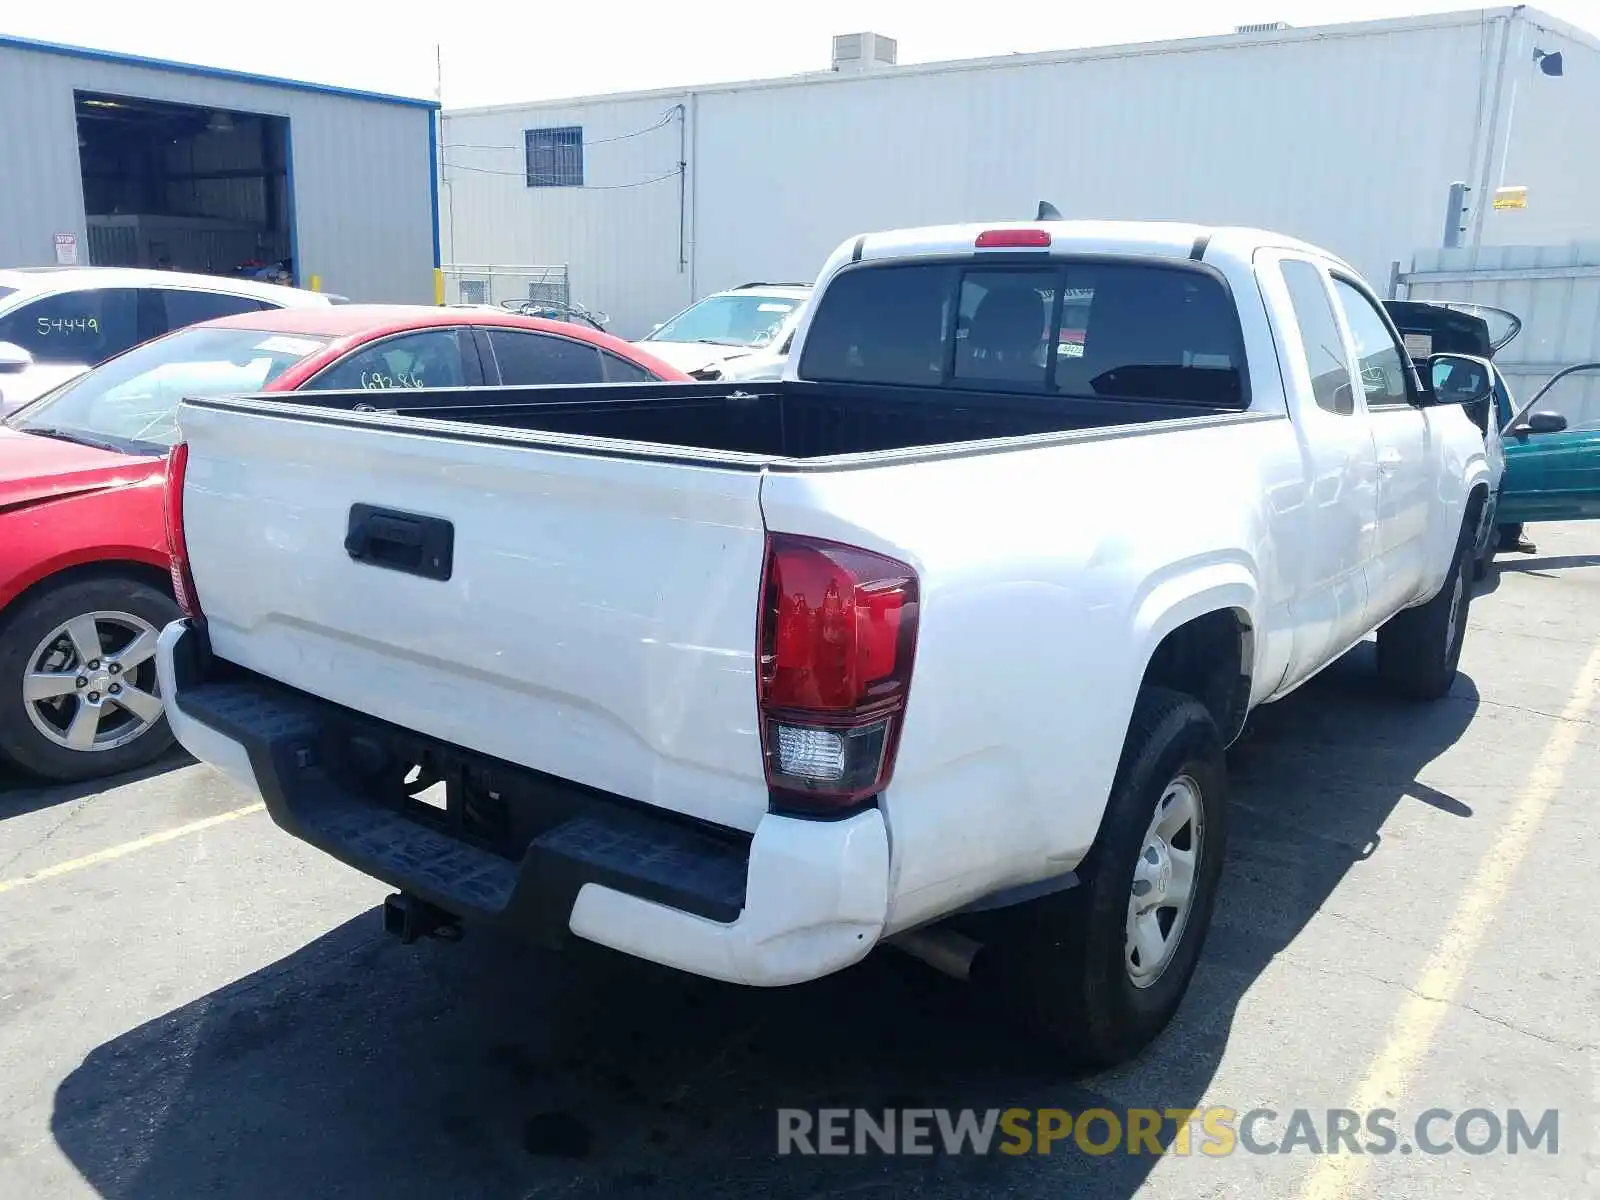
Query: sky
[[505, 51]]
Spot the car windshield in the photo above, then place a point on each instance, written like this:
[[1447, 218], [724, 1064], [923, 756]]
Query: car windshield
[[745, 319], [131, 402]]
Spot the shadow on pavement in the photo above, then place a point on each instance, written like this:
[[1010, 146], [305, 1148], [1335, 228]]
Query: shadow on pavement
[[361, 1067], [1551, 562], [21, 793]]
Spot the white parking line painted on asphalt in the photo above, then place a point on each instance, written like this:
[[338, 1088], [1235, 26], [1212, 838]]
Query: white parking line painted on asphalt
[[1417, 1023], [127, 848]]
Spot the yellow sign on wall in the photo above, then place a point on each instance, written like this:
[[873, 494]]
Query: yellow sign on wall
[[1511, 197]]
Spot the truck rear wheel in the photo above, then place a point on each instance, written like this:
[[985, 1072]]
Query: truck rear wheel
[[1101, 968], [1419, 648]]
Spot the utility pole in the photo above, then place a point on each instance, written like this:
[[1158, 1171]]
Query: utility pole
[[442, 183]]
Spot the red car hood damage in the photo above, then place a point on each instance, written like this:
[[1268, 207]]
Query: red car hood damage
[[36, 469]]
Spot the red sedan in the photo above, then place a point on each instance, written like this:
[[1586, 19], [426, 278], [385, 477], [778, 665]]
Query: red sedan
[[83, 565]]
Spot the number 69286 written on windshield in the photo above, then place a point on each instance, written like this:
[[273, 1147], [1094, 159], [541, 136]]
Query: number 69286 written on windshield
[[378, 381]]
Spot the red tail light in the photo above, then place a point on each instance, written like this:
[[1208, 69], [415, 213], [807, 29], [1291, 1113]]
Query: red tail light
[[1016, 239], [837, 634], [177, 551]]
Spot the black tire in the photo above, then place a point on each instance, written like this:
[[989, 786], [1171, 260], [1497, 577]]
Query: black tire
[[22, 631], [1419, 648], [1061, 962], [1481, 558], [1480, 565]]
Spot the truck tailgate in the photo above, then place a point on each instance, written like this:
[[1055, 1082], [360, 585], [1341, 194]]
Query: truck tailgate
[[597, 623]]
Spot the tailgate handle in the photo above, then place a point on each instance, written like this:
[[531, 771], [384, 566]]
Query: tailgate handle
[[401, 541]]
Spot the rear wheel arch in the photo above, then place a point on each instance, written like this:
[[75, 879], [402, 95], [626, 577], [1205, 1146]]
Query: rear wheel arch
[[1195, 632], [1066, 961], [1209, 656], [1059, 960]]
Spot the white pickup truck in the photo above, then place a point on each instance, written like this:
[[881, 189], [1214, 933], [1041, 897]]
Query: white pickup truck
[[938, 641]]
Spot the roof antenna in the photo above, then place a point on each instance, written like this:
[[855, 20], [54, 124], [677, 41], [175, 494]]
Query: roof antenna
[[1048, 212]]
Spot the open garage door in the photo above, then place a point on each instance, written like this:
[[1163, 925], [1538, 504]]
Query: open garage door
[[186, 188]]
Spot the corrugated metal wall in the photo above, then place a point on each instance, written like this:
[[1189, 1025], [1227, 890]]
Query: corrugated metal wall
[[1556, 292], [243, 199], [1348, 136], [1300, 137], [619, 235], [362, 178], [1538, 143]]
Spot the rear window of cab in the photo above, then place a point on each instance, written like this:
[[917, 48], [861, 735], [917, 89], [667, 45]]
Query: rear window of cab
[[1089, 328]]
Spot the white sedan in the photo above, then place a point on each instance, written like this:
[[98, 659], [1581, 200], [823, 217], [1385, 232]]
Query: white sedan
[[57, 322], [741, 334]]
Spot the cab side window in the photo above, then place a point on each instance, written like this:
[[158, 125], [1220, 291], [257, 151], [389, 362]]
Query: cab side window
[[87, 326], [1381, 364], [1319, 336]]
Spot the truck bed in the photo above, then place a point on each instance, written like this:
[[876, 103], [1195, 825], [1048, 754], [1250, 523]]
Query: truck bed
[[781, 420]]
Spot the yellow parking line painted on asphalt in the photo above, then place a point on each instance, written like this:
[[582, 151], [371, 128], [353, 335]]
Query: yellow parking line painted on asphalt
[[126, 848], [1416, 1024]]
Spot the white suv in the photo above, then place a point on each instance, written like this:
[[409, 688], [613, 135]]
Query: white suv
[[742, 333], [57, 322]]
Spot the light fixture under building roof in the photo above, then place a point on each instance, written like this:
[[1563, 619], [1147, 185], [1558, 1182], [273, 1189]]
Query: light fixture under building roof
[[1549, 63]]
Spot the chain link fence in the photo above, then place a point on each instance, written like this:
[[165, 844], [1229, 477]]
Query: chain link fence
[[469, 284]]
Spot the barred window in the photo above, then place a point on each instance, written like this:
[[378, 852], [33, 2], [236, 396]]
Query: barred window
[[555, 156]]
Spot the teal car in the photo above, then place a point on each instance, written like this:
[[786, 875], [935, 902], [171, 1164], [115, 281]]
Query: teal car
[[1552, 467]]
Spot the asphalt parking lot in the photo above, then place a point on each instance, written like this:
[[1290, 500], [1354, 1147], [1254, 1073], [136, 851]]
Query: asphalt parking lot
[[193, 1004]]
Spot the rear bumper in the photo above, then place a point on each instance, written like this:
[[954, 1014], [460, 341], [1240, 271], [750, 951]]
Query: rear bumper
[[797, 900]]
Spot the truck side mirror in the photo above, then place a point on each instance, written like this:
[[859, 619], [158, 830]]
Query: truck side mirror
[[1457, 379], [14, 359]]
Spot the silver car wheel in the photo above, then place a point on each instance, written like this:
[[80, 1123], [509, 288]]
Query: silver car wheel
[[90, 684]]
